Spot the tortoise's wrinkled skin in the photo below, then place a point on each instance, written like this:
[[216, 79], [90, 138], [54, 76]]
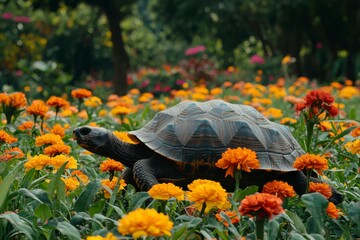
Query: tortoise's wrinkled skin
[[184, 142]]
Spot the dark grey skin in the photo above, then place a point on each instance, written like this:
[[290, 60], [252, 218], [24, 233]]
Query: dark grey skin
[[146, 168]]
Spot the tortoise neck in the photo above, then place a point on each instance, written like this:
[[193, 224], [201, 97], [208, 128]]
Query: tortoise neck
[[124, 152]]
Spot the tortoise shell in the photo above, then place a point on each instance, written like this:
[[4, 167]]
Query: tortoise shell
[[199, 132]]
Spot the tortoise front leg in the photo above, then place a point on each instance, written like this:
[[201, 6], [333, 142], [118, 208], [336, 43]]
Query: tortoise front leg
[[128, 177], [146, 172]]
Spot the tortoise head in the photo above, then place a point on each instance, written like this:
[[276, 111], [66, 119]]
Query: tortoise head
[[94, 139]]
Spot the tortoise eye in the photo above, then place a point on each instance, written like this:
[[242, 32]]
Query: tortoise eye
[[85, 131]]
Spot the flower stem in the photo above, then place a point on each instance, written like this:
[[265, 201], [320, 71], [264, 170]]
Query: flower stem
[[308, 171], [260, 223], [309, 131], [202, 210]]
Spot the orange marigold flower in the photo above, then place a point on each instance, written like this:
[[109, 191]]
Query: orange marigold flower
[[17, 100], [11, 153], [355, 132], [82, 176], [38, 108], [238, 158], [71, 183], [279, 188], [124, 136], [311, 161], [48, 139], [57, 103], [261, 205], [165, 191], [6, 138], [234, 217], [143, 223], [26, 126], [111, 185], [207, 192], [120, 110], [322, 188], [57, 149], [332, 211], [81, 93], [4, 99], [111, 165], [58, 130]]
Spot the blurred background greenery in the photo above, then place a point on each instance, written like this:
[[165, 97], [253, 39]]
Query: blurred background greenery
[[54, 45]]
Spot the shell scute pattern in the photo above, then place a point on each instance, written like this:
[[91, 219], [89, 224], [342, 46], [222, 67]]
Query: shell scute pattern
[[199, 132]]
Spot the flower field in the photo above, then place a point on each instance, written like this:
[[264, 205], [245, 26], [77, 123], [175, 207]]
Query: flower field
[[51, 188]]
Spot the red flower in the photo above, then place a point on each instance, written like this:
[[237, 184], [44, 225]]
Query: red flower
[[317, 101]]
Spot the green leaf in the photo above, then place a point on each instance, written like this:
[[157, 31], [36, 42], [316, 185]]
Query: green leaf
[[42, 195], [28, 193], [296, 236], [57, 185], [28, 178], [316, 205], [138, 200], [241, 194], [21, 226], [353, 210], [273, 230], [43, 212], [97, 207], [68, 230], [87, 196], [6, 184], [296, 222]]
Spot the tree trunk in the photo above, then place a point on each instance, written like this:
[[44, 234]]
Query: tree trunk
[[120, 57]]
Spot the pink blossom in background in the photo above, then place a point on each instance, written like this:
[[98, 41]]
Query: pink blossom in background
[[18, 73], [145, 83], [256, 59], [319, 45], [22, 19], [195, 50], [166, 89], [7, 15], [180, 82]]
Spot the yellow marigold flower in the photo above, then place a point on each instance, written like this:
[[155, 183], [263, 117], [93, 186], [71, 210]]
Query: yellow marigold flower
[[238, 158], [82, 176], [348, 92], [93, 102], [57, 149], [198, 97], [109, 236], [279, 188], [120, 110], [165, 191], [71, 183], [57, 103], [38, 108], [111, 165], [124, 136], [111, 185], [11, 153], [58, 130], [273, 113], [37, 162], [134, 91], [26, 126], [48, 139], [261, 205], [81, 93], [59, 160], [325, 126], [6, 138], [353, 147], [142, 223], [311, 161], [216, 91], [322, 188], [158, 107], [102, 112], [207, 192], [332, 211], [288, 120]]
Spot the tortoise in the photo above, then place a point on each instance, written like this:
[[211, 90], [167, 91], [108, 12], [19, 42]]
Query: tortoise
[[183, 143]]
